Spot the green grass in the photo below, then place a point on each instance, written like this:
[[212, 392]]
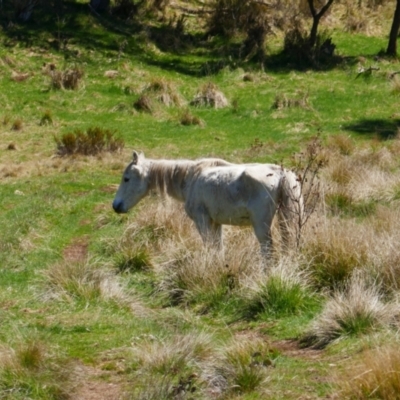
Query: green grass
[[56, 208]]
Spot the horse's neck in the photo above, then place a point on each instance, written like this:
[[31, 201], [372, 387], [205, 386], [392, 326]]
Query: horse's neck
[[170, 176]]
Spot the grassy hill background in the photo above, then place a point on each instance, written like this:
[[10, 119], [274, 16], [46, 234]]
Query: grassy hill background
[[95, 305]]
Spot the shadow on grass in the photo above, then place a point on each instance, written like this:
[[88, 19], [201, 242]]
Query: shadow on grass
[[383, 129], [185, 53]]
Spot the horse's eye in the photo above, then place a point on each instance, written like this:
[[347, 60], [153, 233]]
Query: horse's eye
[[126, 179]]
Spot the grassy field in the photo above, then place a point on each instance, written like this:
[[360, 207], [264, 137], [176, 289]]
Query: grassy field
[[94, 305]]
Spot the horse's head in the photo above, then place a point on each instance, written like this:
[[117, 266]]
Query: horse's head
[[133, 186]]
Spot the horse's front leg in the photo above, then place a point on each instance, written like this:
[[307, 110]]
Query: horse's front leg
[[210, 232]]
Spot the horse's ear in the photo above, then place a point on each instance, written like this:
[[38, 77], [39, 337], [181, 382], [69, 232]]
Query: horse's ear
[[137, 156]]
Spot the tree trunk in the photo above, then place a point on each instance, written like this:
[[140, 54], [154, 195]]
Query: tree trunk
[[316, 18], [394, 31]]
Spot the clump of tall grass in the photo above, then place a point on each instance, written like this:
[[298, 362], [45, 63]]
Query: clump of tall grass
[[285, 290], [165, 92], [333, 249], [46, 118], [187, 118], [197, 277], [299, 100], [68, 79], [204, 277], [17, 125], [164, 227], [130, 259], [244, 364], [94, 141], [144, 104], [209, 95], [29, 370], [175, 354], [356, 309], [88, 280], [158, 91], [375, 374]]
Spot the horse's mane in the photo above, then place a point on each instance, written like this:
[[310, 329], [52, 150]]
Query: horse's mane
[[171, 176]]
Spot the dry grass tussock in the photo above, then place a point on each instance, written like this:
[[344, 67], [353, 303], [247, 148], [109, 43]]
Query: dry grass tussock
[[355, 309], [70, 78], [158, 91], [209, 95], [374, 374], [201, 364], [205, 276], [161, 225], [355, 228], [176, 353], [243, 365], [366, 174], [87, 280], [334, 247], [30, 365]]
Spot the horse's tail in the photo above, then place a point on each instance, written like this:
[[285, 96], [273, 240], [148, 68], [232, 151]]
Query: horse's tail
[[291, 207]]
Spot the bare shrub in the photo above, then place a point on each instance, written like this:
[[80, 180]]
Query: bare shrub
[[374, 374], [356, 309], [209, 95], [94, 141], [307, 165]]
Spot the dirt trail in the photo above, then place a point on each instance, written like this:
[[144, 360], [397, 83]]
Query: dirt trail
[[97, 385]]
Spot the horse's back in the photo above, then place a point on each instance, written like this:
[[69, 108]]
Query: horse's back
[[233, 194]]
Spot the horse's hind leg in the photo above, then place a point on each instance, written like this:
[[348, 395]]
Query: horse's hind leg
[[262, 230]]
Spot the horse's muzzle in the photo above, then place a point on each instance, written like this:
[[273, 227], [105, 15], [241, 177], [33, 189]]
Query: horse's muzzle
[[118, 207]]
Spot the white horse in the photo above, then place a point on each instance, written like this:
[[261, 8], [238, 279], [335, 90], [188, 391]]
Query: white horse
[[216, 192]]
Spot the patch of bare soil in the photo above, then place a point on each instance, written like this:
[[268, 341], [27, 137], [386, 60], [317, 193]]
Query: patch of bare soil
[[97, 385], [291, 348], [77, 251]]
